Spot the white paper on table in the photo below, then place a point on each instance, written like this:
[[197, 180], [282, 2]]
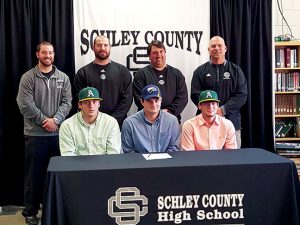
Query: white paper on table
[[151, 156]]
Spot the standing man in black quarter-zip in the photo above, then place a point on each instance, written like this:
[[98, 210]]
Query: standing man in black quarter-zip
[[225, 78]]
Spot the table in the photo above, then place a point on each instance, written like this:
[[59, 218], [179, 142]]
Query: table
[[245, 186]]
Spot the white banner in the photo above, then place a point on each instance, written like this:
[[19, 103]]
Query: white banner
[[130, 25]]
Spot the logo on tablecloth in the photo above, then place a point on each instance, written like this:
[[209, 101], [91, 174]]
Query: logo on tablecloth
[[127, 206]]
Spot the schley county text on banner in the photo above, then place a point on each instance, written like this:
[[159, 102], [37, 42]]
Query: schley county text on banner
[[132, 24], [177, 209]]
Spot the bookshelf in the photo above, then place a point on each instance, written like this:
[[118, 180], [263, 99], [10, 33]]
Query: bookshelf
[[287, 99]]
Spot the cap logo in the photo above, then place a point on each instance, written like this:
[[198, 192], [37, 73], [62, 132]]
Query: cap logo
[[90, 93], [151, 89], [208, 95]]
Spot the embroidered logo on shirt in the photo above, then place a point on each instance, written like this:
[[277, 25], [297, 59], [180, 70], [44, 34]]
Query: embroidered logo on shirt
[[226, 76], [161, 82], [161, 76], [59, 83], [102, 76], [208, 75]]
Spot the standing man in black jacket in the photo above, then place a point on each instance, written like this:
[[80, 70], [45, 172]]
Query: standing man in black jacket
[[112, 80], [225, 78], [170, 81]]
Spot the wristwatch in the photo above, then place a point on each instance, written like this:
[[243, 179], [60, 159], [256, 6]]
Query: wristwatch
[[56, 121]]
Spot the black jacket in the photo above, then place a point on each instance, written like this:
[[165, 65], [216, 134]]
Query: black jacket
[[229, 81]]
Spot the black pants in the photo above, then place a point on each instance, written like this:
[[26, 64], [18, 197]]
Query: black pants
[[38, 151]]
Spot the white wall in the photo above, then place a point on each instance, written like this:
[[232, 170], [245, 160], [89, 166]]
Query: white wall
[[291, 12]]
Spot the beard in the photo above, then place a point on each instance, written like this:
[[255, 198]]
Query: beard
[[102, 55], [46, 62]]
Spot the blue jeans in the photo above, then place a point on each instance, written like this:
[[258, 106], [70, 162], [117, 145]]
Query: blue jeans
[[38, 151]]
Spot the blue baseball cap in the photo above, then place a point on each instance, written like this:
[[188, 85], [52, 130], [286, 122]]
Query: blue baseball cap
[[150, 91]]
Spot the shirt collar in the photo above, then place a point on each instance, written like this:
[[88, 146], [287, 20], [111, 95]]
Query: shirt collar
[[80, 117], [219, 64], [202, 121], [148, 122], [156, 69]]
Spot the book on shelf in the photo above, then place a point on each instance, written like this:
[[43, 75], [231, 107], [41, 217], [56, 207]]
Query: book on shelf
[[287, 145], [286, 82], [286, 57], [282, 58], [288, 153], [295, 58], [288, 104], [288, 149], [282, 128], [277, 58]]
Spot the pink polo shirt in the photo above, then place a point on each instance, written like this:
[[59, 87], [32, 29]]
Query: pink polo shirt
[[198, 135]]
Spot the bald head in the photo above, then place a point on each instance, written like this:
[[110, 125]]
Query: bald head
[[217, 50], [216, 39]]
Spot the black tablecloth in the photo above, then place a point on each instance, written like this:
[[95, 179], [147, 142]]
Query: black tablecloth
[[245, 186]]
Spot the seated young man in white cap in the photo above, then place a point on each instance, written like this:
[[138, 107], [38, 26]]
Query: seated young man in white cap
[[89, 132], [208, 130], [150, 129]]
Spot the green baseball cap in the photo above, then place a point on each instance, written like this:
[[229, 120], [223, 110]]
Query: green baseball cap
[[89, 93], [208, 95]]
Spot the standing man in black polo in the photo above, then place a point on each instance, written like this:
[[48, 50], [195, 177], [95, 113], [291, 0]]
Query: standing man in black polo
[[169, 80]]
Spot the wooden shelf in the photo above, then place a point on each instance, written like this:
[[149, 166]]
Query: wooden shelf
[[288, 139], [286, 92], [286, 43], [287, 68], [287, 115]]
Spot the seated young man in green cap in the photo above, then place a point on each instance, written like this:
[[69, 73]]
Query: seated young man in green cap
[[89, 132], [208, 130]]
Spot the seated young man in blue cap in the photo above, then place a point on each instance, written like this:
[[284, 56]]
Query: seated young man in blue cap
[[150, 129], [208, 130], [89, 132]]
